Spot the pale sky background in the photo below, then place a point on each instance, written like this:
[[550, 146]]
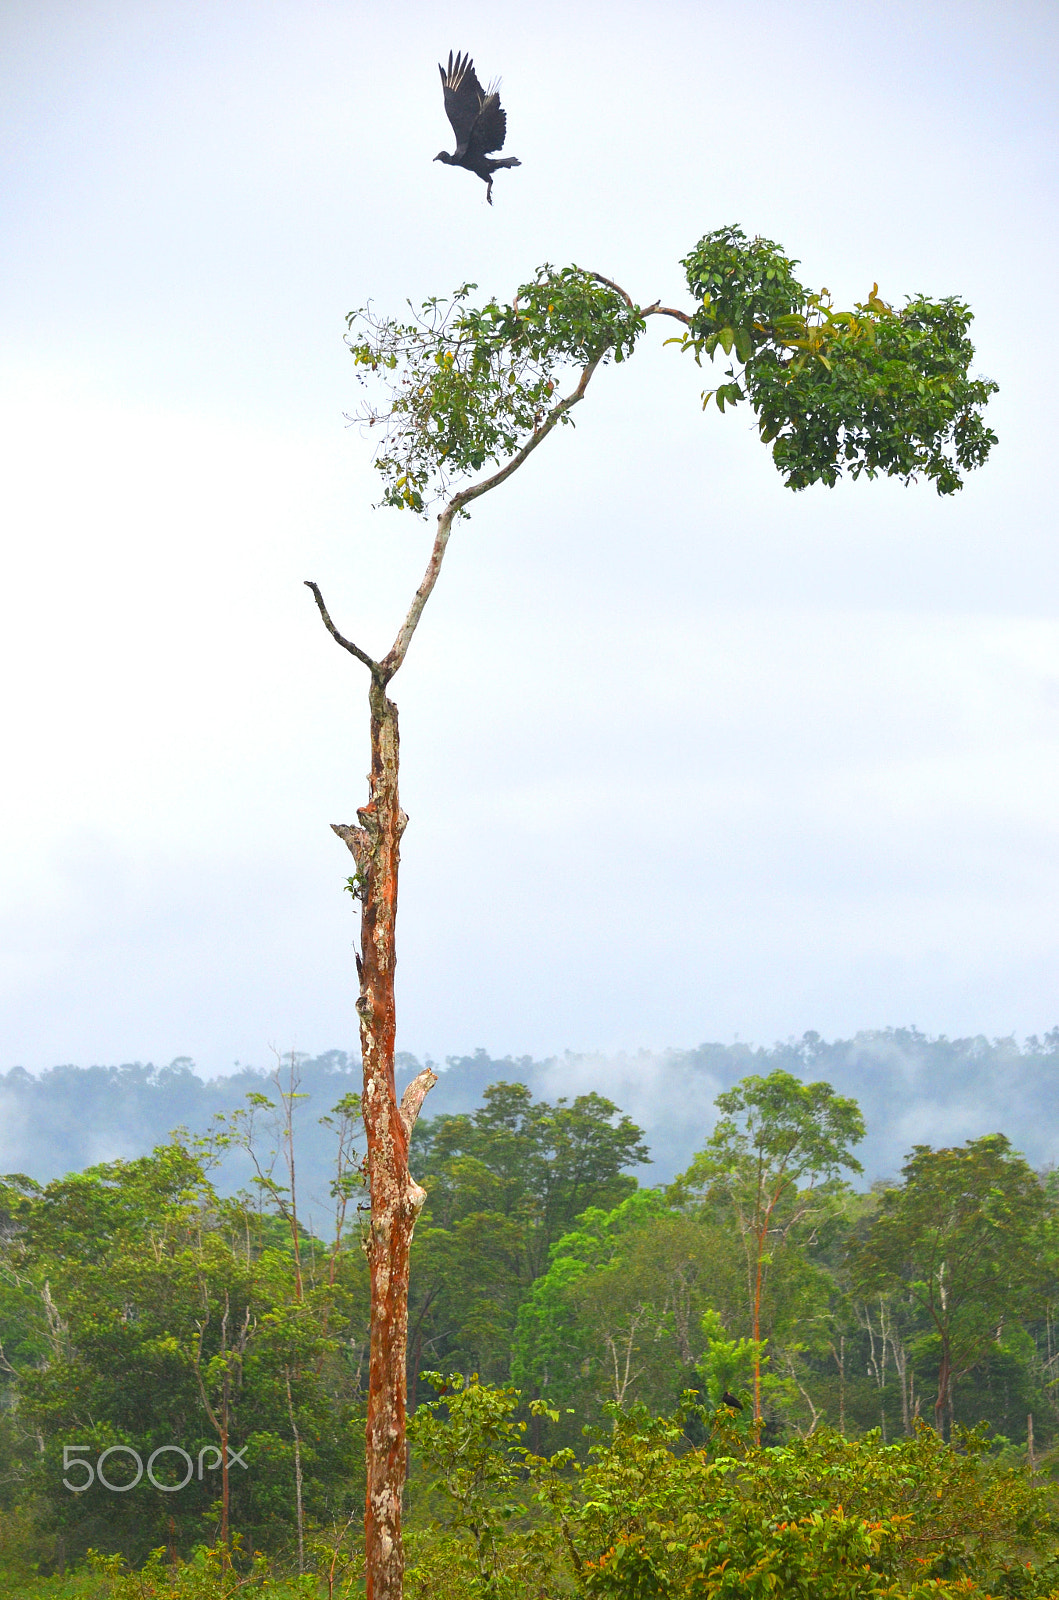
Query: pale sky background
[[685, 755]]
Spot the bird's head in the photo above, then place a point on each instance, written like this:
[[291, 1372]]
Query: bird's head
[[443, 155]]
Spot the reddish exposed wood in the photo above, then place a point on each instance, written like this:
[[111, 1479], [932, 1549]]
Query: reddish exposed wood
[[396, 1198]]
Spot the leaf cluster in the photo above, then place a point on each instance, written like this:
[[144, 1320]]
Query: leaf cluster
[[147, 1305], [873, 390], [649, 1518], [463, 386]]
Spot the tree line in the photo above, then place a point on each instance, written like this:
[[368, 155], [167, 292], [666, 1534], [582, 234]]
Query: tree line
[[144, 1313], [909, 1085]]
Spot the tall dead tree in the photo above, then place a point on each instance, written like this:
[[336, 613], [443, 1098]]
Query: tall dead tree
[[459, 380], [464, 388]]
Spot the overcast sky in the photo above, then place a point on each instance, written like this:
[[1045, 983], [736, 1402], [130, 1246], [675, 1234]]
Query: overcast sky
[[686, 755]]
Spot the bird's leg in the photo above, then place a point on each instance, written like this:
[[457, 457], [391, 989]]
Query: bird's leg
[[489, 190]]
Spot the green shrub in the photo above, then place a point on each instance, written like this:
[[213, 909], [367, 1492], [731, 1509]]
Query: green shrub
[[824, 1517]]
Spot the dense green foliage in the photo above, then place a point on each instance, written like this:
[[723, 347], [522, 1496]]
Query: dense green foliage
[[142, 1312], [676, 1508], [772, 1165], [504, 1184], [965, 1238], [872, 390], [684, 1507], [140, 1308]]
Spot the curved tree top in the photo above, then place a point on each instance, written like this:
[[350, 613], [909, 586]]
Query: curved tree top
[[459, 388]]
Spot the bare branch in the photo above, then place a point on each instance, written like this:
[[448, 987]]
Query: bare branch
[[396, 654], [356, 839], [813, 1411], [413, 1097], [399, 649], [555, 415], [666, 311], [354, 650], [655, 309], [629, 301]]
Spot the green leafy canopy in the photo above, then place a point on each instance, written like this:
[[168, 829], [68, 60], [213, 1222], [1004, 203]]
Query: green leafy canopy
[[873, 390]]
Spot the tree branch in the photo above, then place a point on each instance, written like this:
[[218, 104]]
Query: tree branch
[[666, 311], [384, 670], [655, 309], [356, 839], [413, 1097], [393, 658], [354, 650], [629, 301]]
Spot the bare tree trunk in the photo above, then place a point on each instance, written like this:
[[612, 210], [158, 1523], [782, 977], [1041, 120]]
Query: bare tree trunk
[[906, 1399], [814, 1411], [298, 1500], [680, 1304], [396, 1198], [621, 1360], [943, 1402], [287, 1098], [220, 1423], [226, 1483]]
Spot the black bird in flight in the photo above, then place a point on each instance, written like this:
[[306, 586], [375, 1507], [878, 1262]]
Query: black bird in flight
[[478, 121], [730, 1400]]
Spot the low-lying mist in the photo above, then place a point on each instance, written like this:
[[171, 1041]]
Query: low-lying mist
[[911, 1088]]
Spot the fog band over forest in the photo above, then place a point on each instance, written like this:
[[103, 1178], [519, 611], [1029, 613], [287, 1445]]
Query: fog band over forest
[[911, 1088]]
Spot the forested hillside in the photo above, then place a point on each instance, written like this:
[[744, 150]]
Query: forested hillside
[[146, 1314], [912, 1089]]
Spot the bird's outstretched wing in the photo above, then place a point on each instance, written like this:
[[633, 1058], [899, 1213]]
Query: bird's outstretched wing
[[490, 128], [463, 97]]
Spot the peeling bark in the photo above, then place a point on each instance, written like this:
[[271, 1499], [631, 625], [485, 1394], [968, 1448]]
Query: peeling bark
[[396, 1198]]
